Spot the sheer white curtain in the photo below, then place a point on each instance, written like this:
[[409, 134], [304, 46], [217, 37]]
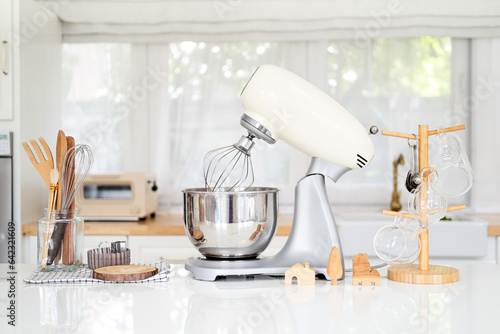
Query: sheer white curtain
[[484, 102], [202, 110], [277, 20], [173, 94], [173, 103], [96, 92]]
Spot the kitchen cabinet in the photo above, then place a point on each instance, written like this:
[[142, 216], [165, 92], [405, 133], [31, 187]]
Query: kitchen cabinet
[[492, 256], [463, 240], [89, 242], [6, 60], [178, 249], [498, 250], [29, 253], [173, 249]]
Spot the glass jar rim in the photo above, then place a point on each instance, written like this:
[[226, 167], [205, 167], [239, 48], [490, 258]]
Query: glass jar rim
[[60, 214]]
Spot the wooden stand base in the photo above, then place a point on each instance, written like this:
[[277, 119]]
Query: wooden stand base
[[412, 274]]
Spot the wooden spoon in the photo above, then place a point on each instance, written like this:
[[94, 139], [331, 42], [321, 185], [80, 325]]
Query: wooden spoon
[[61, 149]]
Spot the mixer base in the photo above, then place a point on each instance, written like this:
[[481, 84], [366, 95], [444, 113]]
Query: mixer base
[[209, 257], [209, 270]]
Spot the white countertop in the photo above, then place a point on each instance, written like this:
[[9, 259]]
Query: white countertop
[[260, 305]]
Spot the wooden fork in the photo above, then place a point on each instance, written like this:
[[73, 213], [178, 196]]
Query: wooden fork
[[43, 166]]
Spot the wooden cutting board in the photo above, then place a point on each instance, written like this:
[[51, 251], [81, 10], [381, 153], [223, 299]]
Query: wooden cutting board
[[124, 273]]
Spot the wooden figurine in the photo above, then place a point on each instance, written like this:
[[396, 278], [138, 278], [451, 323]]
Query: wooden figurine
[[361, 273], [334, 268], [303, 274]]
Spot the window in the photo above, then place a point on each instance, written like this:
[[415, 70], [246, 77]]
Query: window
[[395, 84], [161, 108], [96, 81]]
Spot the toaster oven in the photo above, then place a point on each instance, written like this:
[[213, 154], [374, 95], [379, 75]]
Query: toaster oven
[[122, 197]]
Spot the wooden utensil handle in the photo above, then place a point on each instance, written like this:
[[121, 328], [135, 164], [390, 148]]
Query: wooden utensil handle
[[45, 246], [68, 255], [55, 242], [68, 252]]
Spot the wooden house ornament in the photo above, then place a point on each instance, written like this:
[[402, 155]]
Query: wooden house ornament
[[361, 273], [303, 274]]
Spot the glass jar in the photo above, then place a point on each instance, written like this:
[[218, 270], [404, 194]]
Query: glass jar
[[60, 240]]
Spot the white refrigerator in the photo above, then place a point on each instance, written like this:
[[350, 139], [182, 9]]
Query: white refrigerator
[[6, 189]]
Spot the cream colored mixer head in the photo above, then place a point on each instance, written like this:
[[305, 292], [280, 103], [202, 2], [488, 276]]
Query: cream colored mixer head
[[281, 105]]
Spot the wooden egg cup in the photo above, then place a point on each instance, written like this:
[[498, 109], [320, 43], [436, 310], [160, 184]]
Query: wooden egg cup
[[423, 273]]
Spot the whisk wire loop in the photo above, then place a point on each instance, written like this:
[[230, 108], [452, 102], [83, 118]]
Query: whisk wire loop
[[229, 168], [77, 163], [228, 172], [214, 157]]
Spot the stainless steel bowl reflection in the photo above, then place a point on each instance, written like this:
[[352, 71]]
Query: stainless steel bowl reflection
[[231, 225]]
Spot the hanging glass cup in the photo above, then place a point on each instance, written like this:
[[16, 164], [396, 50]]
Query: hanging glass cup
[[427, 203], [398, 243], [452, 165]]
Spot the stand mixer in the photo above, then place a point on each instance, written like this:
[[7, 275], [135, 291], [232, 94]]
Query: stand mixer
[[281, 105]]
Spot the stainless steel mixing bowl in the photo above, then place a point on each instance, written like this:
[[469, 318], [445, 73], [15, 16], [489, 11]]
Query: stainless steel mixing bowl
[[231, 225]]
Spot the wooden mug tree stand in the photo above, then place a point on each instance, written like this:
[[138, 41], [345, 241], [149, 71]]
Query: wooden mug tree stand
[[423, 273]]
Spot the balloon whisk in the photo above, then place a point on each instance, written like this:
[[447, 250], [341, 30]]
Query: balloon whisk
[[229, 168]]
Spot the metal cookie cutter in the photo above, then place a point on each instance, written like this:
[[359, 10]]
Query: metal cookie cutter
[[117, 254], [118, 246]]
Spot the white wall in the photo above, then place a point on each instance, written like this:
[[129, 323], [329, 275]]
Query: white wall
[[39, 103], [35, 67]]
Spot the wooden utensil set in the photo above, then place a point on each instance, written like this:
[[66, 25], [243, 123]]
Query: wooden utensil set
[[55, 233]]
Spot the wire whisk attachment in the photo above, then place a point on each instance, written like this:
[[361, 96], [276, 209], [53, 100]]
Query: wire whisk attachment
[[77, 164], [229, 168]]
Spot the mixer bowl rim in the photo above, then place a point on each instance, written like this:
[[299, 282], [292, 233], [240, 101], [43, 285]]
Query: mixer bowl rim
[[251, 190]]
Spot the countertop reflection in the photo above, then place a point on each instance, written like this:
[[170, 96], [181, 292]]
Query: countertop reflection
[[254, 305]]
